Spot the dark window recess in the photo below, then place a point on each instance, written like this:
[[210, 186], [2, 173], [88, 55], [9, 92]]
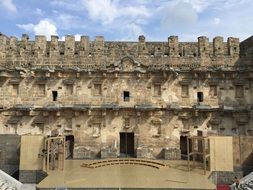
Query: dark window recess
[[185, 90], [55, 94], [239, 91], [200, 97], [213, 90], [157, 90], [126, 96], [97, 89], [15, 88]]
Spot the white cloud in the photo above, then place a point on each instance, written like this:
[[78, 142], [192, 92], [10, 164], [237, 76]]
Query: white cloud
[[108, 11], [27, 27], [132, 32], [132, 11], [156, 19], [67, 21], [124, 17], [199, 5], [67, 4], [44, 27], [9, 5], [180, 16], [38, 12], [104, 10]]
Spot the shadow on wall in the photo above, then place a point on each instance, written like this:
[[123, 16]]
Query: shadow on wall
[[247, 164]]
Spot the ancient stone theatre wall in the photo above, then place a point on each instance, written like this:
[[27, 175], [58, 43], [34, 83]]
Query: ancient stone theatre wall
[[100, 92]]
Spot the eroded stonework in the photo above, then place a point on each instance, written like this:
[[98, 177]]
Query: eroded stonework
[[115, 99]]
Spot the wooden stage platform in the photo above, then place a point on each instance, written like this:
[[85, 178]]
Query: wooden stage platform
[[94, 174]]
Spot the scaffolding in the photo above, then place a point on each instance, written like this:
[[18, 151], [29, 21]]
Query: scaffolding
[[54, 148], [198, 146]]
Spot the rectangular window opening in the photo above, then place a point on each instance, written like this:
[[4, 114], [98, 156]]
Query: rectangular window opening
[[200, 96], [69, 89], [157, 90], [126, 96], [15, 89], [158, 128], [239, 93], [213, 91], [185, 90], [97, 89], [41, 89], [55, 94]]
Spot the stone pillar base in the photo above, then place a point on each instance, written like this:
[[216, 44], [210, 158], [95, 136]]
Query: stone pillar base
[[172, 154], [107, 152], [82, 153], [145, 152]]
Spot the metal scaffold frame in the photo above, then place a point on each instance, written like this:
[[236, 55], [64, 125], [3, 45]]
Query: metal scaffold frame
[[55, 153], [203, 152]]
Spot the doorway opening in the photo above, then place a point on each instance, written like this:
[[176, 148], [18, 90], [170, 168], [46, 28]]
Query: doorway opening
[[126, 144], [69, 146], [183, 147], [200, 146]]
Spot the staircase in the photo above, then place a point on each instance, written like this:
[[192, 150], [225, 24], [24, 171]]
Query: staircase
[[9, 183], [246, 183], [124, 161]]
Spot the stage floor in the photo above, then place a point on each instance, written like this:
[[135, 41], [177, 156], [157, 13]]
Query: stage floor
[[174, 176]]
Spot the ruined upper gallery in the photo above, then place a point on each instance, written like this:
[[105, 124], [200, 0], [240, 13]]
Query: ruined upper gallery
[[97, 54]]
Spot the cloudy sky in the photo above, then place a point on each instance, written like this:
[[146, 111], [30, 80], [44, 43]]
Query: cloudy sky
[[127, 19]]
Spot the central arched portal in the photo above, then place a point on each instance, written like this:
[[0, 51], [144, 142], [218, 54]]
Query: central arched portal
[[126, 144]]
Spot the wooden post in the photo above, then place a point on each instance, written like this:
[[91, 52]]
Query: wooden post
[[188, 153], [204, 154], [64, 152], [193, 151], [193, 155], [48, 147], [44, 156]]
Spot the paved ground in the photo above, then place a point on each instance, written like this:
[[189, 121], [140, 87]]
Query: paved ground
[[127, 176]]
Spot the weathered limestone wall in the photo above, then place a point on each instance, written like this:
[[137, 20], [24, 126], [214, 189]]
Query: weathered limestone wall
[[9, 152], [243, 153], [154, 131], [40, 51], [160, 90], [94, 90]]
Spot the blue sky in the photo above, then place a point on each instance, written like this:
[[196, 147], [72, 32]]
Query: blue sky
[[127, 19]]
